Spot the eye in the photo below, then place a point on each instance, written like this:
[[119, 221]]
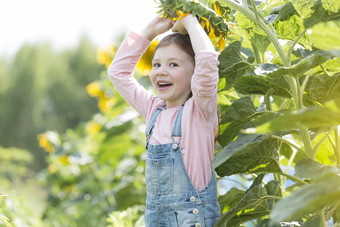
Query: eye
[[156, 65], [173, 65]]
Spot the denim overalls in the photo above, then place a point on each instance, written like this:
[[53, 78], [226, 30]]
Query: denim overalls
[[172, 200]]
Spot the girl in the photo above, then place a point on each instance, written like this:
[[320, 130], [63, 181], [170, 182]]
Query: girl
[[181, 121]]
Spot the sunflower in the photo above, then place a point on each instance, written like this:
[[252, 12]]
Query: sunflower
[[144, 65]]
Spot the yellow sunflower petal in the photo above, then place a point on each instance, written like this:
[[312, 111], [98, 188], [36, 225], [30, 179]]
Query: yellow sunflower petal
[[144, 65], [180, 15], [206, 21], [212, 35], [202, 23], [221, 43]]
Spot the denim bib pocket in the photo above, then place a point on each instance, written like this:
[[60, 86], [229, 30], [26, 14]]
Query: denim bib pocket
[[159, 175]]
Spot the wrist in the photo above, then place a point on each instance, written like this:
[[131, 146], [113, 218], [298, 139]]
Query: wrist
[[189, 21], [147, 34]]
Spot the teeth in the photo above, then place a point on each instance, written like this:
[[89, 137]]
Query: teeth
[[164, 83]]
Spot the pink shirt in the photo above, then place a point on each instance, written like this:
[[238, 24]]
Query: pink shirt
[[199, 120]]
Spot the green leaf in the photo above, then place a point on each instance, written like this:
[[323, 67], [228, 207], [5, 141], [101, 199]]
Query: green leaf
[[326, 35], [261, 42], [252, 153], [272, 188], [259, 84], [287, 152], [230, 199], [239, 109], [252, 203], [313, 117], [323, 88], [284, 12], [291, 28], [232, 65], [314, 221], [316, 11], [231, 131], [321, 14], [323, 192], [336, 214], [302, 66], [307, 168], [239, 114]]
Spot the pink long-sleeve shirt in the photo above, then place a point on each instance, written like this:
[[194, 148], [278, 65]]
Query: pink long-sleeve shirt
[[199, 119]]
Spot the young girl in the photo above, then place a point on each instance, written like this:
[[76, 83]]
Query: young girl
[[181, 121]]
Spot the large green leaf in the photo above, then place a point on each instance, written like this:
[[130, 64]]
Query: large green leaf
[[314, 221], [252, 153], [287, 152], [302, 66], [230, 199], [284, 12], [262, 80], [291, 28], [239, 109], [241, 114], [252, 203], [316, 11], [323, 87], [314, 117], [326, 35], [232, 65], [260, 84], [231, 131], [261, 42], [336, 214], [323, 192], [307, 168]]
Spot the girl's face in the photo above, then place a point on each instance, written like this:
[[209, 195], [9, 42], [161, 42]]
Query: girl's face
[[172, 70]]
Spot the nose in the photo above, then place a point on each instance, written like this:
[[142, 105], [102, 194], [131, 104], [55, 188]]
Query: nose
[[162, 70]]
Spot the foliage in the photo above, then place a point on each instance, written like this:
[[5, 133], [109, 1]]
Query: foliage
[[279, 102], [42, 89], [133, 216], [97, 168], [280, 105], [4, 219], [25, 200]]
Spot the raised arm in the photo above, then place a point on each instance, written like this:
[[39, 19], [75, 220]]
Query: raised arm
[[199, 39], [205, 79], [157, 26]]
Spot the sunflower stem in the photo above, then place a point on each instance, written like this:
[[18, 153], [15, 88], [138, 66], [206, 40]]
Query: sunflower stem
[[251, 15]]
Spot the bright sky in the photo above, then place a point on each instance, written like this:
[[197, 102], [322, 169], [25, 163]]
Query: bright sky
[[63, 21]]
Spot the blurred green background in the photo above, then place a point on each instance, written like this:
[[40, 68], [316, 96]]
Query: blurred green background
[[71, 149]]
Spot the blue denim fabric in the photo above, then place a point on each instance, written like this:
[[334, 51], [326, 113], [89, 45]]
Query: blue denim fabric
[[172, 199]]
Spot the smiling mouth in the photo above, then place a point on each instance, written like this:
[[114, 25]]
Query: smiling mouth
[[164, 84]]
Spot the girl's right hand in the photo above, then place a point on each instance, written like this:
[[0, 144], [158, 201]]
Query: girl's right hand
[[157, 26], [181, 25]]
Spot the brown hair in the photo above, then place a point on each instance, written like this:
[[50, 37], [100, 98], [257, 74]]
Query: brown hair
[[182, 41]]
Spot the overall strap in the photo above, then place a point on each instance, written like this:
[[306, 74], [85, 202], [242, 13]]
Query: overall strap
[[177, 129], [148, 130]]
